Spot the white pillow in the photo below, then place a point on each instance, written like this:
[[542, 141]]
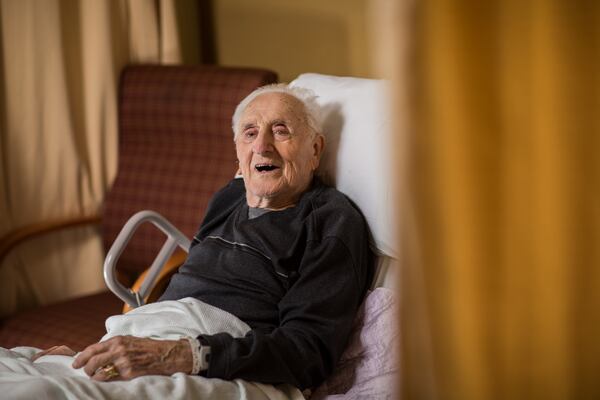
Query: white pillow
[[358, 154]]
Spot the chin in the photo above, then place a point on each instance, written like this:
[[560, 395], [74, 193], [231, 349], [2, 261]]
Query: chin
[[264, 191]]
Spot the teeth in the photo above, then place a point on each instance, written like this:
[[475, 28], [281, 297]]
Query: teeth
[[265, 167]]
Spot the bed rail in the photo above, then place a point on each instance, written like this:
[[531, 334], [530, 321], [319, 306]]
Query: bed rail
[[174, 239]]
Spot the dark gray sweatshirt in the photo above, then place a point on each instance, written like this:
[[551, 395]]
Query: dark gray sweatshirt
[[296, 277]]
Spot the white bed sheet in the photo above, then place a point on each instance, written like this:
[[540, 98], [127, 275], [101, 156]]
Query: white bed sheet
[[52, 377]]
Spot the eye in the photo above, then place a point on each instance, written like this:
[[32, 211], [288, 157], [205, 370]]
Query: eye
[[249, 134], [281, 132]]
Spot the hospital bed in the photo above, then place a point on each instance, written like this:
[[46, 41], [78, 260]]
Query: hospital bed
[[359, 161]]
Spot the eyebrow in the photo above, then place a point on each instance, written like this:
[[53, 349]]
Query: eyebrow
[[248, 125], [279, 121]]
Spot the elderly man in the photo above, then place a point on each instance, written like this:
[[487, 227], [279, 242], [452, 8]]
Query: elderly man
[[279, 250]]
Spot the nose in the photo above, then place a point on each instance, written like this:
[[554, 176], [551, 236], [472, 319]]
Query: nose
[[263, 142]]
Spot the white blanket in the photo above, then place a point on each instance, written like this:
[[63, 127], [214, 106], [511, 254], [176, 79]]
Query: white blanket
[[52, 377]]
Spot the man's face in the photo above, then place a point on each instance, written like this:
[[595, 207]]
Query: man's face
[[276, 150]]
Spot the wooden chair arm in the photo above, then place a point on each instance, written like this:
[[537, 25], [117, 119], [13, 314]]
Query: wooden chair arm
[[15, 237], [171, 266]]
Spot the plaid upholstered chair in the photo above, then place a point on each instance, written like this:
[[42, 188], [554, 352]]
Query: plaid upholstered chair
[[175, 150]]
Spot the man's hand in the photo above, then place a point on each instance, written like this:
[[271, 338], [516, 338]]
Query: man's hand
[[133, 357], [55, 351]]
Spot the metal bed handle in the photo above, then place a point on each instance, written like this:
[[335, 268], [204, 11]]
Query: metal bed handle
[[174, 238]]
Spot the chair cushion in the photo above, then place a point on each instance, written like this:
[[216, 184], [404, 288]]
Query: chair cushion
[[76, 323]]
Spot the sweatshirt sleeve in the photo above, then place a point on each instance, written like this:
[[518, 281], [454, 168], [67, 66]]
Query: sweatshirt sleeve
[[316, 316]]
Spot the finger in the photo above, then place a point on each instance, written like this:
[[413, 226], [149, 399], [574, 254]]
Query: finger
[[88, 353], [42, 353], [102, 375], [98, 361], [62, 351]]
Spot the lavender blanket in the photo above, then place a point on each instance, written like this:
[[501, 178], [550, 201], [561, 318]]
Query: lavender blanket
[[369, 365]]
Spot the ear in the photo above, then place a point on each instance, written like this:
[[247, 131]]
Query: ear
[[318, 146]]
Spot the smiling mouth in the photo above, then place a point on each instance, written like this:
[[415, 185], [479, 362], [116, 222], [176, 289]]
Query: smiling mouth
[[265, 167]]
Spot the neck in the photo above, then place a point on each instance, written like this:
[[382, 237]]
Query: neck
[[276, 202], [269, 203]]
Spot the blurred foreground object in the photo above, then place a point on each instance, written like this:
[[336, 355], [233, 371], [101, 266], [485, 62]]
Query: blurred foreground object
[[502, 290]]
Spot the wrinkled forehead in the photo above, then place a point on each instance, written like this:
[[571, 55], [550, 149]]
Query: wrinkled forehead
[[274, 106]]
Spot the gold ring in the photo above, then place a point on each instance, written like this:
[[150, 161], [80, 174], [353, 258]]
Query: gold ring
[[110, 370]]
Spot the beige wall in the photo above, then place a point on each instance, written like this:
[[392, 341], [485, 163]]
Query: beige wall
[[292, 37]]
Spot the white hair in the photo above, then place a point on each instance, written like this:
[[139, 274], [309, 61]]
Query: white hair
[[306, 96]]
